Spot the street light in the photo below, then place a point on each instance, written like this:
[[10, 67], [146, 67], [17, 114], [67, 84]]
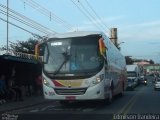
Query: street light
[[118, 45]]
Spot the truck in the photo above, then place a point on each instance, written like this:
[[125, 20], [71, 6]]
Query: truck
[[133, 76]]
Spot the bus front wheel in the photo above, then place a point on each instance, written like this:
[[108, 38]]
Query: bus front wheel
[[110, 98]]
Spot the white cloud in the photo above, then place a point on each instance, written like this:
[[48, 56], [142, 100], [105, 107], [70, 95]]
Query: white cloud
[[106, 20], [141, 31], [95, 24], [138, 31], [144, 24], [82, 28]]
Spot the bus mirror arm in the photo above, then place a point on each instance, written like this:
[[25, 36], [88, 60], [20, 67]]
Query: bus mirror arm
[[106, 62], [45, 59], [105, 58]]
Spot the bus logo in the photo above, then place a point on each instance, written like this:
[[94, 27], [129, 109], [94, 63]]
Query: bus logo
[[68, 83]]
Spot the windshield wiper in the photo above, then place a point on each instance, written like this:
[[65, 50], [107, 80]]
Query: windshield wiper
[[66, 58]]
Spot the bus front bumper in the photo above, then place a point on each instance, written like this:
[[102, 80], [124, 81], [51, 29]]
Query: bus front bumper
[[91, 93]]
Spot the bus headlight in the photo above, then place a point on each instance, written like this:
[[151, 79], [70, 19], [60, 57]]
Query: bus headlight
[[98, 79], [45, 82]]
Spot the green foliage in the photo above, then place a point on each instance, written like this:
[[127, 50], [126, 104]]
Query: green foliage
[[129, 60], [24, 46], [151, 62]]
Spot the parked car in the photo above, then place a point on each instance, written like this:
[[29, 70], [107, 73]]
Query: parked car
[[157, 84]]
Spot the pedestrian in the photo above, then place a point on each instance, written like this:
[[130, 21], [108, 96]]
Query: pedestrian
[[3, 90], [39, 84], [15, 91]]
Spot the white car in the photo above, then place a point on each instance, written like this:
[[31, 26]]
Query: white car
[[157, 84]]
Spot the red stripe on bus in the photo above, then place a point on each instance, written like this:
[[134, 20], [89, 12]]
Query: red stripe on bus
[[57, 84]]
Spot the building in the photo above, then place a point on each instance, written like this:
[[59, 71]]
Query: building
[[152, 68], [24, 67]]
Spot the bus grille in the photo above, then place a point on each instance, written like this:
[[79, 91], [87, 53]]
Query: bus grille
[[70, 91]]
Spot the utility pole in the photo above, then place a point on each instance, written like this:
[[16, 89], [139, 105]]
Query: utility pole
[[7, 24], [113, 36]]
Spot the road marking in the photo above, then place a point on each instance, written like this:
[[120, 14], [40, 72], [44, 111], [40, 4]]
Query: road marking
[[131, 102], [131, 105], [48, 107], [88, 110], [127, 105], [36, 110], [59, 109]]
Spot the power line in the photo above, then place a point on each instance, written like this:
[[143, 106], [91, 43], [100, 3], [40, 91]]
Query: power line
[[84, 13], [27, 21], [47, 13], [36, 7], [20, 27], [15, 18], [90, 14], [96, 14]]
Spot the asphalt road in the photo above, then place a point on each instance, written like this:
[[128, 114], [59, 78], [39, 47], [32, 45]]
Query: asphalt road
[[142, 103]]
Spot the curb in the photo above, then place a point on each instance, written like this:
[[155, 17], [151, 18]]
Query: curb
[[25, 106]]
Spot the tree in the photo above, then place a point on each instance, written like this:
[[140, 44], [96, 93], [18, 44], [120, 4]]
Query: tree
[[151, 62], [24, 46], [129, 60]]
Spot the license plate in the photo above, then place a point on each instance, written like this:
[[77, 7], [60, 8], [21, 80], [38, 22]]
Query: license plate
[[70, 98]]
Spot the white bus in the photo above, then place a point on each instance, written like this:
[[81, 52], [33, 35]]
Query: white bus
[[82, 66]]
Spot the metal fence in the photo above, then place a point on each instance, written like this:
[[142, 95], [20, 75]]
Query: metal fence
[[21, 55]]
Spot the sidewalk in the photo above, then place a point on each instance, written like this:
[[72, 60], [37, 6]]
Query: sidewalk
[[28, 101]]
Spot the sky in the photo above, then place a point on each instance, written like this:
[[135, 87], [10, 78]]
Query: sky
[[137, 21]]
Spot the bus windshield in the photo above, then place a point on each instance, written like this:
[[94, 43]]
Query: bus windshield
[[72, 55]]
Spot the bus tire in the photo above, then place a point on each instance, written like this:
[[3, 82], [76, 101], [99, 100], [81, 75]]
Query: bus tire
[[110, 98], [122, 92]]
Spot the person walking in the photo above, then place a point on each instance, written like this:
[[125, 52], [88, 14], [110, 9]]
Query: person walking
[[3, 90], [15, 90]]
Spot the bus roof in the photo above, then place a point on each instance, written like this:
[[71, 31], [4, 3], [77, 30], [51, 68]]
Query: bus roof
[[74, 34]]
